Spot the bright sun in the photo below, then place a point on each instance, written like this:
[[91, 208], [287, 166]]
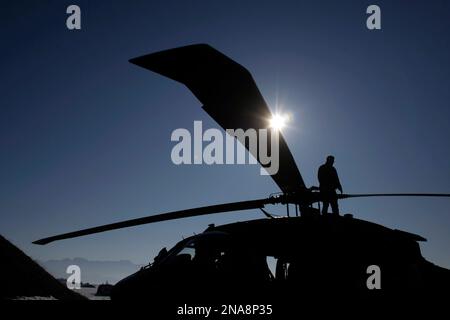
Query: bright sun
[[278, 121]]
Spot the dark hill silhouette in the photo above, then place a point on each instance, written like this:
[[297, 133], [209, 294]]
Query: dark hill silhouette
[[22, 277]]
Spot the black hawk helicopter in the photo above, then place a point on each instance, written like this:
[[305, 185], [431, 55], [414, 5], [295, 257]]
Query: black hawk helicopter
[[314, 253]]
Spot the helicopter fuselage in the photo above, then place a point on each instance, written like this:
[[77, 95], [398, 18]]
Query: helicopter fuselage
[[274, 257]]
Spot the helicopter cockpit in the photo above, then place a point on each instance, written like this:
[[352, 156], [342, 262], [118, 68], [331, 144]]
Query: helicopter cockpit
[[217, 257]]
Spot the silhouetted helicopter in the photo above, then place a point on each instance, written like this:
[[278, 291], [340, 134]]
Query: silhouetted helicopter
[[312, 253]]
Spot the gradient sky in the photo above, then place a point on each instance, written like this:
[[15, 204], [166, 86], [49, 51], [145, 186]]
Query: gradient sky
[[85, 135]]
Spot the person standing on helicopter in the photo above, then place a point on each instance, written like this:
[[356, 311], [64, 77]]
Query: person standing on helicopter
[[328, 183]]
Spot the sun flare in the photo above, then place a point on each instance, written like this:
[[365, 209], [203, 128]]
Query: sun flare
[[278, 121]]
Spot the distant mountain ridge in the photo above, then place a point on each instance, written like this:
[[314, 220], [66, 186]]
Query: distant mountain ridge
[[92, 271]]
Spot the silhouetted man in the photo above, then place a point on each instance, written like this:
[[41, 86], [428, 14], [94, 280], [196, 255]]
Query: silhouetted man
[[329, 182]]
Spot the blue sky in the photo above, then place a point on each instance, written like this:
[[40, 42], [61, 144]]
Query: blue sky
[[85, 135]]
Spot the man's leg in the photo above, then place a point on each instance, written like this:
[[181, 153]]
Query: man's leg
[[334, 205], [325, 207]]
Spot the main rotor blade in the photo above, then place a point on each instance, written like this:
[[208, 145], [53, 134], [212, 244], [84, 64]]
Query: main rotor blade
[[364, 195], [228, 94], [226, 207]]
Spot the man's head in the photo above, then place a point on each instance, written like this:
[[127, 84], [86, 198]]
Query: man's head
[[330, 160]]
